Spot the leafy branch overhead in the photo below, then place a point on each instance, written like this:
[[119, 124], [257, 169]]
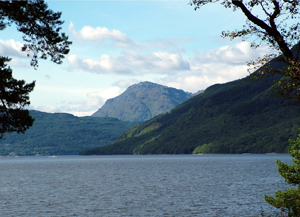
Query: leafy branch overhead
[[277, 26], [41, 28]]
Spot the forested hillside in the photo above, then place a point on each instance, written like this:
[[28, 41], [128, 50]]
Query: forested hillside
[[242, 116], [63, 134]]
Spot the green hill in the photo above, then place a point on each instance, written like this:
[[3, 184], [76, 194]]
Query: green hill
[[236, 117], [142, 101], [63, 134]]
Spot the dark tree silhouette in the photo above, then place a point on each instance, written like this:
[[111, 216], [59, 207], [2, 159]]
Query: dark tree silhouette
[[41, 28]]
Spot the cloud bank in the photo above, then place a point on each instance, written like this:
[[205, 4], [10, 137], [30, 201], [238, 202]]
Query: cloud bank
[[132, 63]]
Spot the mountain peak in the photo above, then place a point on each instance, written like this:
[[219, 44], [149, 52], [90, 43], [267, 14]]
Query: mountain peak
[[142, 101]]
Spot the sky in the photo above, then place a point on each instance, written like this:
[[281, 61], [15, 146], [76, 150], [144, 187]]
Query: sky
[[120, 43]]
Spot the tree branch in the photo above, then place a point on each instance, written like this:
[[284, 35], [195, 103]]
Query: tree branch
[[271, 30], [262, 6]]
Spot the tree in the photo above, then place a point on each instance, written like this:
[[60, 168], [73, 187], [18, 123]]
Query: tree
[[13, 96], [290, 198], [41, 28], [278, 27]]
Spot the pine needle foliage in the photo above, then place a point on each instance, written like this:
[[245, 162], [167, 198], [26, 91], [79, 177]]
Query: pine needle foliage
[[290, 198]]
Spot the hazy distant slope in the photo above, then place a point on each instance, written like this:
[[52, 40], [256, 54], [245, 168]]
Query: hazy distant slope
[[61, 133], [142, 101], [236, 117]]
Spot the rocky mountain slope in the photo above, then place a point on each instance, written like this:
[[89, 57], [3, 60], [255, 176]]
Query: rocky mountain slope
[[142, 101]]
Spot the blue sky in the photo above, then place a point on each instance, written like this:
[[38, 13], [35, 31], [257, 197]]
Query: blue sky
[[120, 43]]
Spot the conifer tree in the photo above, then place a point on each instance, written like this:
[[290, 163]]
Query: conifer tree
[[290, 198], [41, 28], [14, 96]]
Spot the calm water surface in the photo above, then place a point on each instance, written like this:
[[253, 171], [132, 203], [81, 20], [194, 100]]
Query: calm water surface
[[164, 185]]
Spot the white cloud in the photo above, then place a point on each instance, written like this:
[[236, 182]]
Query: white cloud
[[131, 62], [239, 53], [161, 56], [208, 75], [102, 96], [11, 48], [216, 66], [104, 65], [125, 83], [98, 34], [63, 109], [190, 74], [46, 108], [121, 40]]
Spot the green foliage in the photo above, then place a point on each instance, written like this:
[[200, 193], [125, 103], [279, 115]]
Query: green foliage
[[139, 149], [41, 33], [204, 149], [198, 149], [236, 117], [277, 26], [14, 97], [41, 28], [290, 198], [63, 134], [149, 129]]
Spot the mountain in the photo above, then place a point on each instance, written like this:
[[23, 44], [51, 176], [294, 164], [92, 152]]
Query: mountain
[[63, 134], [242, 116], [142, 101]]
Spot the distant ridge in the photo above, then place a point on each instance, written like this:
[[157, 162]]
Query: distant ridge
[[236, 117], [142, 101], [62, 134]]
